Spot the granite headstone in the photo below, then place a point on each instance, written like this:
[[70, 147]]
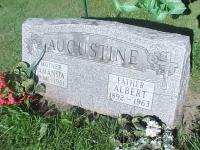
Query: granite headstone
[[110, 67]]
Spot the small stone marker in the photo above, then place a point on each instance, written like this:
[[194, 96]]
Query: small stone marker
[[109, 67]]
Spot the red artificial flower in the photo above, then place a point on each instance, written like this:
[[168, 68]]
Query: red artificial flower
[[1, 103], [12, 101], [2, 75], [1, 100], [23, 98], [2, 80], [2, 84]]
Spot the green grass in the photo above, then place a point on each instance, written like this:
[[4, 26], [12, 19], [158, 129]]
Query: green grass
[[22, 130], [25, 131], [194, 142], [188, 141]]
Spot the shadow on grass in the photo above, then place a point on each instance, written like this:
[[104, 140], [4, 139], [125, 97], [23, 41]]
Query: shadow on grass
[[154, 25], [187, 3], [198, 19]]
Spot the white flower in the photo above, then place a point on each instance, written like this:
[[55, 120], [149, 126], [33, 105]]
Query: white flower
[[168, 147], [153, 129], [143, 140], [156, 144], [141, 143], [168, 136], [153, 124], [152, 132], [117, 148]]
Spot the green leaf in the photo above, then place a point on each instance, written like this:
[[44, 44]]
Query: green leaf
[[179, 9], [163, 6], [27, 103], [149, 118], [129, 8], [31, 71], [175, 6], [66, 121], [161, 15], [134, 2], [117, 5], [154, 12], [16, 71], [28, 85], [146, 4], [124, 132], [12, 110], [20, 93], [5, 94], [122, 121], [152, 4], [112, 139], [137, 118], [22, 66], [17, 85], [160, 9], [23, 76], [138, 126], [25, 113], [40, 88], [4, 127], [163, 1], [139, 133], [43, 130]]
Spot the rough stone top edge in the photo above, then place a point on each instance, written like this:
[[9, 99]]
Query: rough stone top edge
[[175, 38]]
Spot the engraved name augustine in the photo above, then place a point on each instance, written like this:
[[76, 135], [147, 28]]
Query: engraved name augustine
[[92, 47]]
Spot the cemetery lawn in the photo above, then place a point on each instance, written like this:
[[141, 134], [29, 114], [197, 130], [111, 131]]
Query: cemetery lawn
[[21, 130]]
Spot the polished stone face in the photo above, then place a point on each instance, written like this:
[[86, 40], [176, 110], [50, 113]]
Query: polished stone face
[[109, 67]]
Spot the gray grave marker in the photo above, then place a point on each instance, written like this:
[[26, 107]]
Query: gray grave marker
[[109, 67]]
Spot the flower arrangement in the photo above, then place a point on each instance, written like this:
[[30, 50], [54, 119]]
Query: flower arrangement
[[20, 83], [160, 9], [16, 86], [143, 133], [7, 96]]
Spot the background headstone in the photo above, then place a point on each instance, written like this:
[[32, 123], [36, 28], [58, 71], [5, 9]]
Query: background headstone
[[109, 67]]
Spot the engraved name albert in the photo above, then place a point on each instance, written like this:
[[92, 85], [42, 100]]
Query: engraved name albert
[[130, 91]]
